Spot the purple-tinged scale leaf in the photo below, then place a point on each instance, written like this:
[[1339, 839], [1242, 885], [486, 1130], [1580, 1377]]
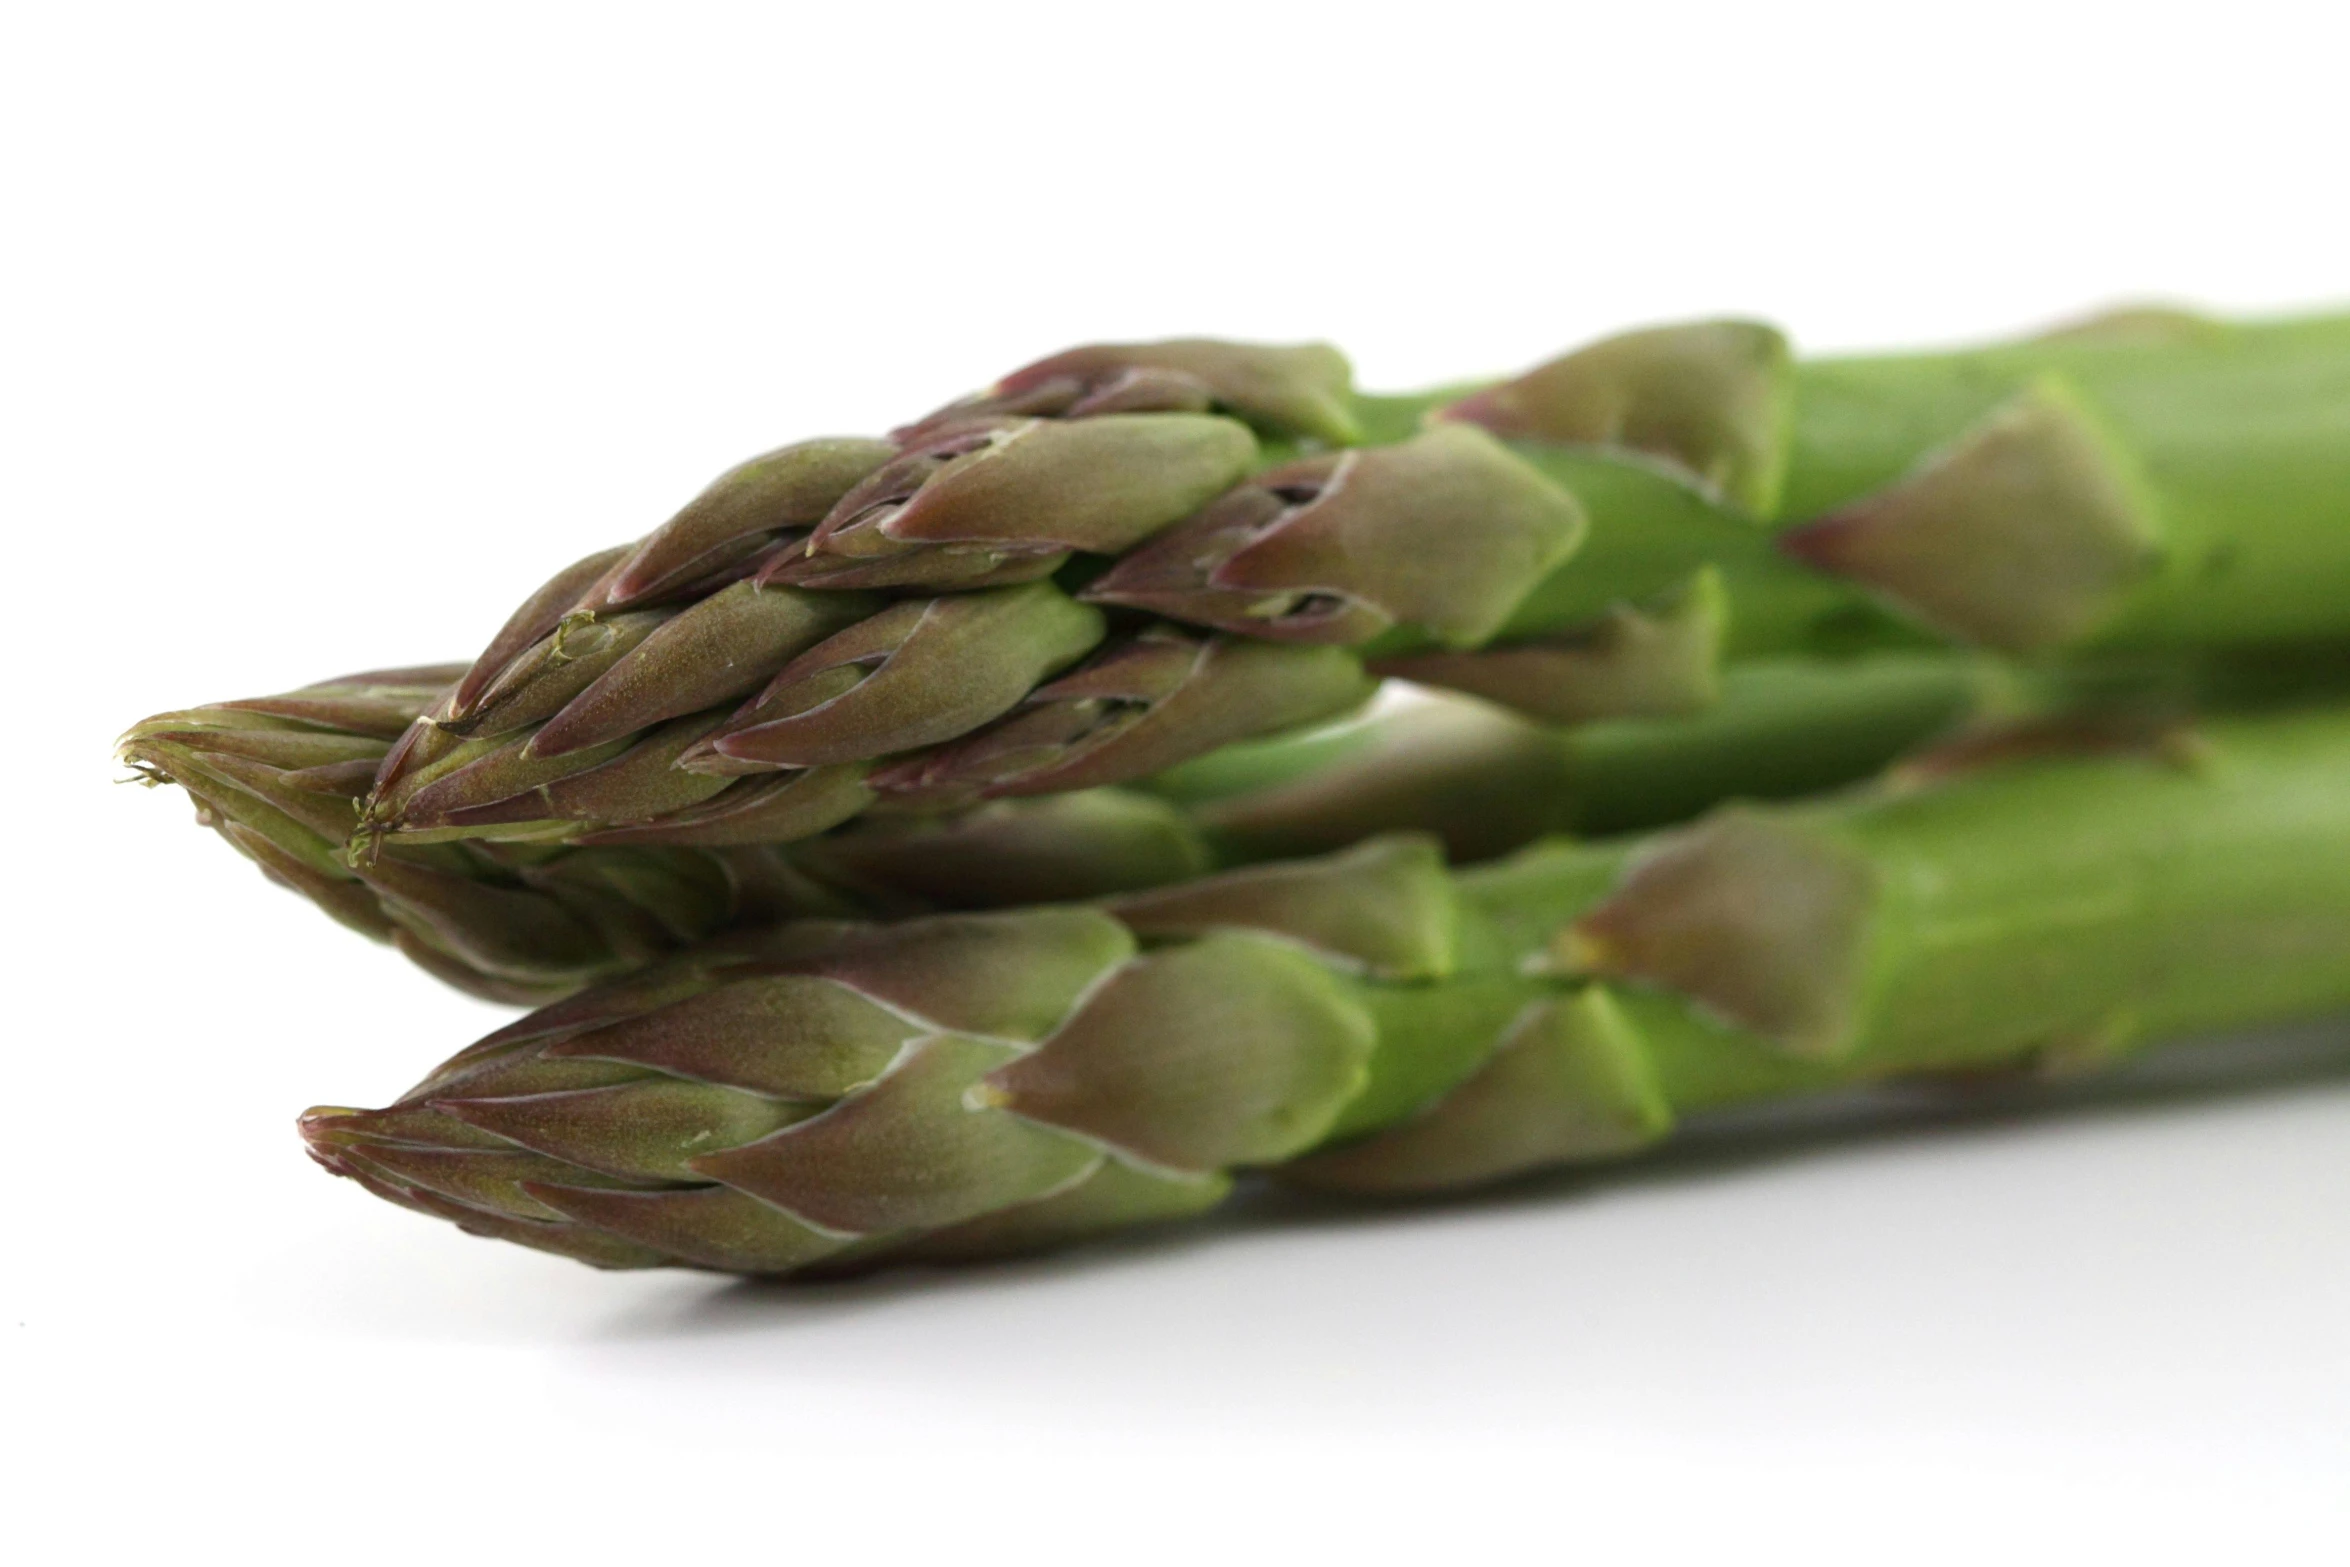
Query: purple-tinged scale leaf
[[706, 1226], [640, 782], [1117, 1196], [1098, 485], [2025, 535], [1232, 1050], [575, 1241], [617, 999], [701, 968], [796, 1036], [778, 808], [1137, 709], [1053, 849], [745, 507], [493, 1064], [1445, 532], [1012, 975], [400, 680], [940, 568], [713, 652], [328, 817], [454, 972], [309, 731], [509, 932], [504, 1075], [643, 1131], [914, 675], [1708, 403], [1303, 390], [686, 896], [349, 780], [463, 795], [636, 929], [421, 754], [1634, 663], [1570, 1081], [487, 1179], [1759, 921], [423, 1126], [852, 529], [911, 1152], [545, 676], [564, 1239], [1173, 574], [538, 617], [1384, 906], [380, 704], [772, 884]]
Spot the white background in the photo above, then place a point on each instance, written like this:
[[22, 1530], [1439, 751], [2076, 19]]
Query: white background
[[329, 329]]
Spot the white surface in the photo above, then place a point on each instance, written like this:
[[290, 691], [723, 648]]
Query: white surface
[[328, 329]]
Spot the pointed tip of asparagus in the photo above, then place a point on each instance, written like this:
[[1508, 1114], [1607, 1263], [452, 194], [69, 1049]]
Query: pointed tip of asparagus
[[326, 1132]]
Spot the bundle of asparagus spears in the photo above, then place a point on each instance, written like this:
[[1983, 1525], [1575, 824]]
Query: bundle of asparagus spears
[[1173, 766]]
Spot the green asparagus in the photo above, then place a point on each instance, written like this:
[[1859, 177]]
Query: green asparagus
[[281, 779], [1124, 557], [827, 1095]]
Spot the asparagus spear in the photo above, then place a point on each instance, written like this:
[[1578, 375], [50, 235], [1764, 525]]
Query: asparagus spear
[[1486, 781], [1593, 539], [826, 1095], [281, 779]]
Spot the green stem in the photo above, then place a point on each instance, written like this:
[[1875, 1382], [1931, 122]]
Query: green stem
[[2230, 445], [1487, 782], [2060, 910]]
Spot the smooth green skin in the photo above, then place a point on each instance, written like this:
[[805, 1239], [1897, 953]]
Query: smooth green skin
[[1488, 782], [2071, 908], [2239, 432]]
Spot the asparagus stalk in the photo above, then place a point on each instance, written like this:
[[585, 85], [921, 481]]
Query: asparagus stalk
[[1123, 557], [826, 1096], [281, 778], [1486, 781]]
